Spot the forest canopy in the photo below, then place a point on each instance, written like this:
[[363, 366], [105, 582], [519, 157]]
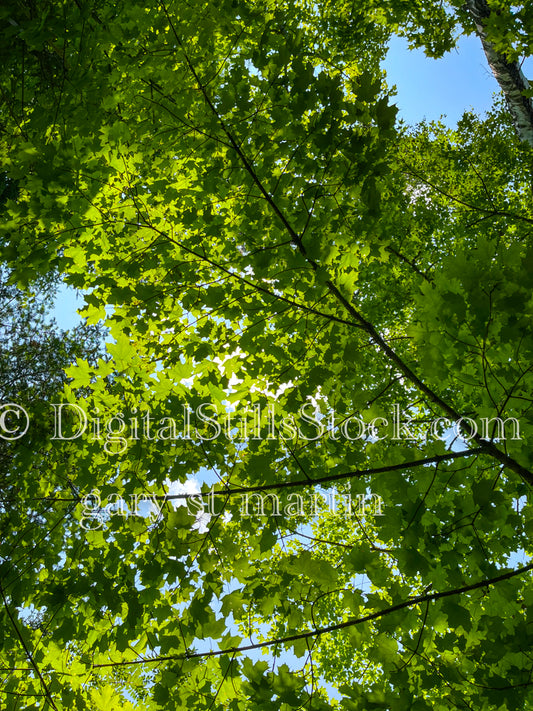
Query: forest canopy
[[284, 463]]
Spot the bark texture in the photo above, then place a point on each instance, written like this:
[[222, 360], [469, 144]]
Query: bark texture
[[508, 75]]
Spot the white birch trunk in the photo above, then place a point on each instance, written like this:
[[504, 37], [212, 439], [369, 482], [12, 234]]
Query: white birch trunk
[[508, 75]]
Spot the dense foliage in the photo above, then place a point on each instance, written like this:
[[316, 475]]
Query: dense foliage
[[304, 299]]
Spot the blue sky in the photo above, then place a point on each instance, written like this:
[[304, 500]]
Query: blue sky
[[431, 88]]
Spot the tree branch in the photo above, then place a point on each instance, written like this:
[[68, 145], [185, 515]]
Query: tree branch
[[509, 76], [331, 628], [361, 322]]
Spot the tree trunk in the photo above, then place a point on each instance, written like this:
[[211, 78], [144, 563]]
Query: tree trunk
[[508, 75]]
